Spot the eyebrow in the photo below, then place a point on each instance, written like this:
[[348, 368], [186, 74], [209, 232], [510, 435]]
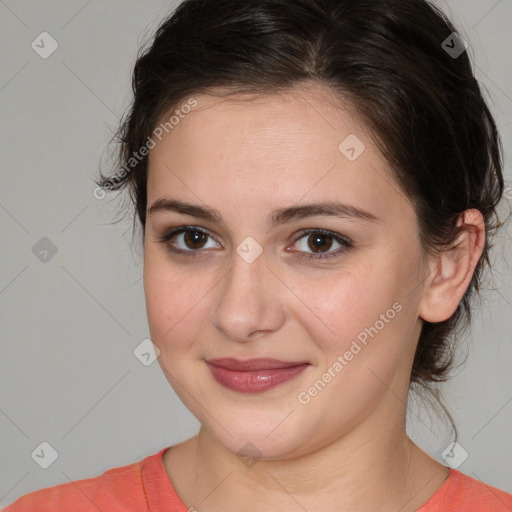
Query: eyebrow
[[276, 217]]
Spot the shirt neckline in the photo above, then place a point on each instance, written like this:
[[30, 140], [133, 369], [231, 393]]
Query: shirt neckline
[[158, 489]]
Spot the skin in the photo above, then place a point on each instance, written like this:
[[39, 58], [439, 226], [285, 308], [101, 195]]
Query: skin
[[345, 450]]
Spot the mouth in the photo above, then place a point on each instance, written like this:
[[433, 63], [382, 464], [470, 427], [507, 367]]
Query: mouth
[[254, 375]]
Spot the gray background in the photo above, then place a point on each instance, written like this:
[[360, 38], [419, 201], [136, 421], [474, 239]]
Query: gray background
[[69, 326]]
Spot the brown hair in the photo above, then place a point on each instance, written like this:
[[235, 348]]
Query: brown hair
[[394, 60]]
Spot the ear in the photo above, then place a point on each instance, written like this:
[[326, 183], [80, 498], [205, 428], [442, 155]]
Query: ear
[[451, 271]]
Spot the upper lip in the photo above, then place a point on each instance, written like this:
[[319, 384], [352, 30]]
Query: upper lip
[[253, 364]]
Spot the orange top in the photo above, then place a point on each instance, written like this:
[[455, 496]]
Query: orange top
[[145, 487]]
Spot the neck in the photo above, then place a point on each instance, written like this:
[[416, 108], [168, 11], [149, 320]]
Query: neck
[[374, 467]]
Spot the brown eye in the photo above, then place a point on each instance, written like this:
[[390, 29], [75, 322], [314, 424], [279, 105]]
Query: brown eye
[[319, 241], [194, 239], [186, 240]]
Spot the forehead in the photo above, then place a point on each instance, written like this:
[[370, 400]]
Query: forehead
[[299, 113], [304, 144]]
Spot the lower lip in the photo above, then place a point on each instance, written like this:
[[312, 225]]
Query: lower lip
[[254, 381]]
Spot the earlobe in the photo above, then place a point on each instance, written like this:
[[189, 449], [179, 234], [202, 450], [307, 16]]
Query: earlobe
[[451, 272]]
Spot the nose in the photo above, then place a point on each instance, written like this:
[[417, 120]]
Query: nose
[[247, 303]]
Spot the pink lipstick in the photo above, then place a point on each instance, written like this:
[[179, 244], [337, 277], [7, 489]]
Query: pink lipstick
[[253, 375]]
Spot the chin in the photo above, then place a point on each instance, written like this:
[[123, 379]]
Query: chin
[[259, 436]]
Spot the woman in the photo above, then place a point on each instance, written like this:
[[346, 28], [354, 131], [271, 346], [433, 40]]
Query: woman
[[316, 182]]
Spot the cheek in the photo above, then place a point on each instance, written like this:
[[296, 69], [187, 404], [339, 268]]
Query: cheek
[[362, 326], [175, 300], [342, 306]]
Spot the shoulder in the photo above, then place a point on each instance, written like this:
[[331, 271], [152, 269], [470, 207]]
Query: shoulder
[[472, 491], [462, 492], [118, 489]]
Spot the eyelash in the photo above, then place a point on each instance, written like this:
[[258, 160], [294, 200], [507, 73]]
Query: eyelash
[[345, 242]]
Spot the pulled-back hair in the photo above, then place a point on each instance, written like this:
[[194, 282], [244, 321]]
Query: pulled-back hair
[[399, 63]]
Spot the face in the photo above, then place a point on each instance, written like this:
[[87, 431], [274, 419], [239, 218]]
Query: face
[[336, 295]]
